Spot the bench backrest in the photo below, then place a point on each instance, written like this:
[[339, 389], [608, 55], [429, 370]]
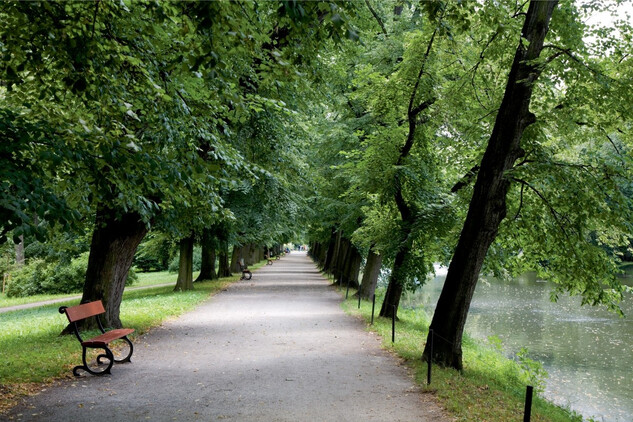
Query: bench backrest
[[83, 311]]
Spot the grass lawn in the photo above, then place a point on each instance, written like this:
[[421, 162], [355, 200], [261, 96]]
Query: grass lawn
[[33, 354], [490, 388], [144, 279]]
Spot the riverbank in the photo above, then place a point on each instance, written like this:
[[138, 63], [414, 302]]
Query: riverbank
[[584, 349], [491, 387]]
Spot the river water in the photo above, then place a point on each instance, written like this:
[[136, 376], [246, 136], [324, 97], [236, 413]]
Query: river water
[[587, 351]]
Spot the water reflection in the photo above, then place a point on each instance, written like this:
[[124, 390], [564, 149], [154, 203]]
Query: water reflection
[[586, 351]]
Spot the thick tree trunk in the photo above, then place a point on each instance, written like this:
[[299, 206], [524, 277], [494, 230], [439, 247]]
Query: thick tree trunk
[[370, 274], [238, 253], [336, 252], [207, 264], [488, 205], [224, 267], [185, 265], [254, 254], [338, 266], [352, 267], [329, 254], [396, 282], [114, 242]]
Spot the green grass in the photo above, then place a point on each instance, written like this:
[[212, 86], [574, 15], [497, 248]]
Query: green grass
[[144, 279], [32, 352], [490, 388]]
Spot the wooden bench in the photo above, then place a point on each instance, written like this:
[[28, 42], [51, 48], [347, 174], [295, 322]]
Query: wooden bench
[[94, 309], [246, 273]]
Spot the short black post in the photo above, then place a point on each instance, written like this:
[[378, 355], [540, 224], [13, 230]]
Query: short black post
[[347, 292], [373, 307], [393, 325], [359, 298], [430, 358], [528, 403]]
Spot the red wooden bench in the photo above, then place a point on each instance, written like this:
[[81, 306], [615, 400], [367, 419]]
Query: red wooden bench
[[94, 309]]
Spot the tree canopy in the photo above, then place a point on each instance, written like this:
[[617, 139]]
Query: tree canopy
[[365, 127]]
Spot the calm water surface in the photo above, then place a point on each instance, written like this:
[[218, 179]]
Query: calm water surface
[[587, 352]]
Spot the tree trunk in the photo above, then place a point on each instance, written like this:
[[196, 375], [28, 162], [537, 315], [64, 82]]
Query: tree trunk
[[329, 254], [207, 264], [238, 253], [396, 282], [335, 255], [114, 242], [352, 267], [370, 274], [19, 253], [488, 204], [407, 210], [185, 265], [224, 268], [340, 259]]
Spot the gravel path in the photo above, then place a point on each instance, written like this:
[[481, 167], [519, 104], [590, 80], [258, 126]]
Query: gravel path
[[275, 348]]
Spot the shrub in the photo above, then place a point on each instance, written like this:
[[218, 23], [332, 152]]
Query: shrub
[[42, 277]]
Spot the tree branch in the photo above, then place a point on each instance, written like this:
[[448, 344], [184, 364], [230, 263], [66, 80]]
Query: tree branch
[[94, 18], [569, 54], [466, 179], [557, 217], [373, 12]]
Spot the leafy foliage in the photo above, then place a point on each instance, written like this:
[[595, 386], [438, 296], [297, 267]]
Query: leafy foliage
[[42, 277]]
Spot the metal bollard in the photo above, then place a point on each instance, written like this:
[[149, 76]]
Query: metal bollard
[[528, 403], [347, 291], [359, 298], [373, 307], [428, 375]]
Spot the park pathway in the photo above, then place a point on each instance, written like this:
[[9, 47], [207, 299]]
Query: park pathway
[[275, 348]]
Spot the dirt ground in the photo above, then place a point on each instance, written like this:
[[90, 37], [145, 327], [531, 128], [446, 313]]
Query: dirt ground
[[275, 348]]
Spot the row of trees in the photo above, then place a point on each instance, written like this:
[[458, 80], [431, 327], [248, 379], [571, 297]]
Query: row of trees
[[179, 118], [491, 136]]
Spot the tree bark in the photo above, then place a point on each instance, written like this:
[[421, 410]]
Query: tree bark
[[238, 253], [185, 267], [393, 294], [335, 255], [207, 264], [370, 274], [114, 242], [224, 267], [330, 251], [340, 260], [352, 267], [488, 204]]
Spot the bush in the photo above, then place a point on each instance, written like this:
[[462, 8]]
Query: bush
[[154, 253], [42, 277]]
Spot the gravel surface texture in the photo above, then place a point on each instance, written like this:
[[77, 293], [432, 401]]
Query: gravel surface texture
[[275, 348]]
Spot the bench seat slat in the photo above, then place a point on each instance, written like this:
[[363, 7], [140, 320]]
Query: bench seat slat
[[104, 339], [85, 310]]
